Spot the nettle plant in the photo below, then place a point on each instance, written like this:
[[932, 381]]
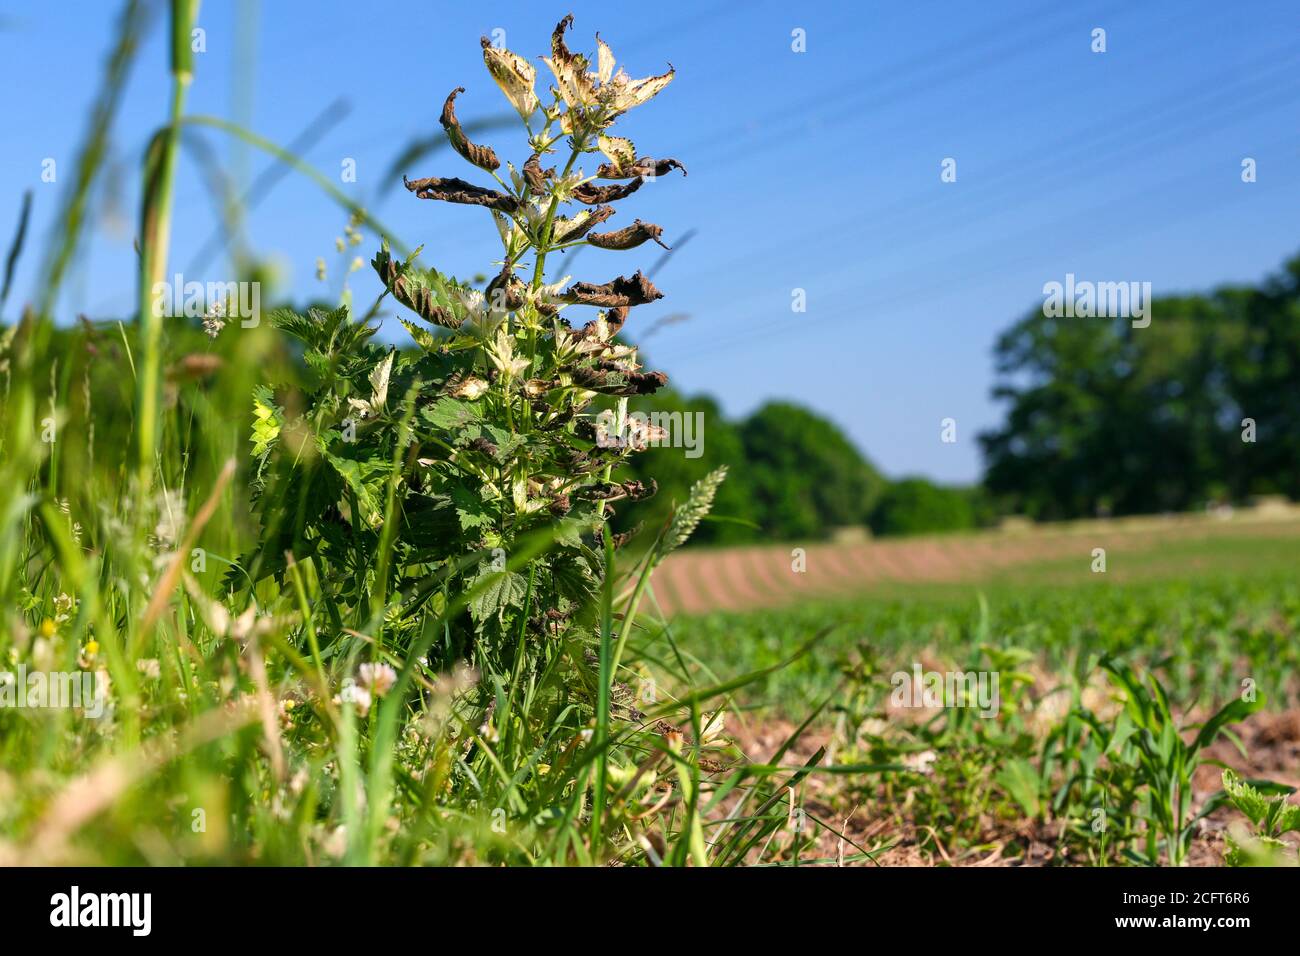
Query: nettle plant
[[456, 495]]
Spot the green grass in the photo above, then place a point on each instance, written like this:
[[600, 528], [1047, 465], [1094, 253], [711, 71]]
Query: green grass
[[1104, 679]]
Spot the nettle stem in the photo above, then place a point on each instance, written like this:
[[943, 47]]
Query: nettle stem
[[539, 269]]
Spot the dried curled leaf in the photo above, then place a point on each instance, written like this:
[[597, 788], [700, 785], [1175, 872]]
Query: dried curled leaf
[[459, 191], [628, 237], [604, 327], [622, 291], [505, 293], [570, 230], [619, 383], [615, 318], [593, 195], [536, 176], [480, 156], [560, 50], [574, 83], [481, 444], [515, 75], [435, 298], [633, 490], [643, 167]]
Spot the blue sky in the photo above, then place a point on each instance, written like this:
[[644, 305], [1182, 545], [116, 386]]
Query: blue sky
[[817, 170]]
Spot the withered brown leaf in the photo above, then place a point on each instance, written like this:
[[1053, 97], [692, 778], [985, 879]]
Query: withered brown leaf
[[505, 293], [567, 230], [622, 291], [612, 382], [536, 176], [560, 51], [480, 156], [613, 320], [456, 190], [634, 490], [593, 195], [576, 87], [645, 166], [628, 237]]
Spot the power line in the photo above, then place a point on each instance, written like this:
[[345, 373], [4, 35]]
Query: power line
[[869, 86], [1048, 154], [754, 334], [1051, 158]]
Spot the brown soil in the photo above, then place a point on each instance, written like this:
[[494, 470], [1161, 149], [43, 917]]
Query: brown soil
[[1272, 741], [733, 579]]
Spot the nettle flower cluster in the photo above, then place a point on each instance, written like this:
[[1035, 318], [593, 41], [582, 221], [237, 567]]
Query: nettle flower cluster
[[409, 467]]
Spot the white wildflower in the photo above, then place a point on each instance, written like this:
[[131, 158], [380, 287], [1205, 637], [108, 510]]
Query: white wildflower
[[378, 679]]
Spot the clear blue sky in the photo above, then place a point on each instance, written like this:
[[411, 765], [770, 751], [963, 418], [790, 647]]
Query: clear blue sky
[[815, 170]]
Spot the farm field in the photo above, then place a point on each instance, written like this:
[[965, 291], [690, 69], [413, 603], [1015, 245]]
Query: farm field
[[456, 483], [767, 576], [1208, 613]]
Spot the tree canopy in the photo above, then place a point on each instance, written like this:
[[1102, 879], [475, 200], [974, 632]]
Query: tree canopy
[[1201, 405]]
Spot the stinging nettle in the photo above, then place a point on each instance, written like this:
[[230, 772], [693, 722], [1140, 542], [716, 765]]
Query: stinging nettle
[[457, 454]]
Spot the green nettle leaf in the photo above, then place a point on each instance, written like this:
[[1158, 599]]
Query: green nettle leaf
[[1245, 797], [365, 477], [299, 326], [574, 579], [421, 337], [451, 414], [503, 590], [569, 531], [1269, 811], [506, 442], [328, 331], [470, 508], [267, 420]]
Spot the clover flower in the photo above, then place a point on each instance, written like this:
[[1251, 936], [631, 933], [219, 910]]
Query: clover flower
[[377, 679]]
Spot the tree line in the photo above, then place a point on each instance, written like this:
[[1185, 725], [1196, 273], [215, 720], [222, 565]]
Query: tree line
[[1201, 406]]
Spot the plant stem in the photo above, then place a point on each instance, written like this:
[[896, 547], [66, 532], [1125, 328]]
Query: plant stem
[[155, 237], [539, 269]]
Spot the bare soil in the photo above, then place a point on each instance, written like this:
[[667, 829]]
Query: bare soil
[[1272, 741]]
